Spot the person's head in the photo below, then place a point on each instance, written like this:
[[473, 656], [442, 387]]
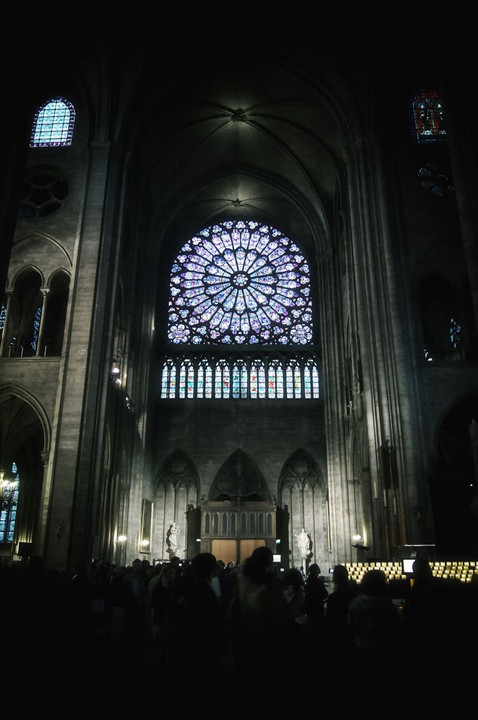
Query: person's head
[[169, 574], [259, 565], [203, 566], [314, 570], [264, 556], [136, 565], [374, 582], [422, 569], [340, 575]]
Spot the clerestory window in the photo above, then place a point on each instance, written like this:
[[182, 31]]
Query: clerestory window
[[428, 120], [53, 124], [224, 375]]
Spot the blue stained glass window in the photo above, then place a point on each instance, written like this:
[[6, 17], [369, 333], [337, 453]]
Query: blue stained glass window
[[311, 380], [36, 328], [9, 502], [53, 124], [455, 334], [240, 283], [240, 378], [254, 380], [293, 380], [262, 382], [204, 379], [168, 380], [427, 117], [208, 382], [271, 382], [200, 382], [186, 380]]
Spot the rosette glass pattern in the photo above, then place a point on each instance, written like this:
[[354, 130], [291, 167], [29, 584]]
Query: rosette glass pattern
[[240, 282]]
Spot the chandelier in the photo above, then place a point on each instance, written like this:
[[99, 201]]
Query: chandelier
[[9, 480], [8, 488]]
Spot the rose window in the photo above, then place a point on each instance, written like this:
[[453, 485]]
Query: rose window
[[240, 283]]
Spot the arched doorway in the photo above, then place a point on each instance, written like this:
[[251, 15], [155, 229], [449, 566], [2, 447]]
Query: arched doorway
[[232, 531], [22, 444], [239, 515], [453, 483]]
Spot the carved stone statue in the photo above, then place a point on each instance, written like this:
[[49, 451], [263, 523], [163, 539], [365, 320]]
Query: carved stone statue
[[303, 542], [173, 536]]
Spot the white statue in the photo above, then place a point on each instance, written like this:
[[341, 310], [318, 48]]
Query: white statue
[[303, 542], [173, 537]]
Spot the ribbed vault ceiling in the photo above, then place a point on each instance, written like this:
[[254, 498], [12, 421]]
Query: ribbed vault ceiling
[[238, 136]]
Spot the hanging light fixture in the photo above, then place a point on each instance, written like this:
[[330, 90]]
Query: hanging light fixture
[[8, 486]]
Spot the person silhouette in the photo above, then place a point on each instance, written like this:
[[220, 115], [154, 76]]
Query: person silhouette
[[204, 629], [339, 637], [374, 622], [314, 598]]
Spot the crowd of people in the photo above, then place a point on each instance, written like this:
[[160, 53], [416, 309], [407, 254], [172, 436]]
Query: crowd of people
[[188, 622]]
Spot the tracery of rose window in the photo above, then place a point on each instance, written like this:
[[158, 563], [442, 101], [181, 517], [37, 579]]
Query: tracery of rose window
[[240, 283]]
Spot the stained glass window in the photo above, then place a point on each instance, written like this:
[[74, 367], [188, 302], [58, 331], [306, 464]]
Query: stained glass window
[[237, 284], [36, 328], [427, 117], [3, 317], [455, 334], [275, 380], [311, 380], [186, 379], [204, 380], [293, 380], [223, 380], [53, 124], [240, 283], [239, 378], [168, 379], [8, 506]]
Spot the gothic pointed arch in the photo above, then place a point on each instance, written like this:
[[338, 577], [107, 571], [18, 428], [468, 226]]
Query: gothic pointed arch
[[55, 315], [303, 492], [300, 469], [239, 478], [454, 480], [24, 444], [178, 469], [25, 311], [441, 318], [176, 493]]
